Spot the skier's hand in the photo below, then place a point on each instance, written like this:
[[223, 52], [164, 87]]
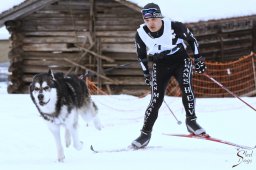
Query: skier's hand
[[200, 66], [147, 79]]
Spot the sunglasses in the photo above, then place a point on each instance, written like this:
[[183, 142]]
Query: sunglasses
[[151, 13]]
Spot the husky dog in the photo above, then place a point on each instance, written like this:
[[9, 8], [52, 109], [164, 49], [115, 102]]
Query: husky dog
[[60, 99]]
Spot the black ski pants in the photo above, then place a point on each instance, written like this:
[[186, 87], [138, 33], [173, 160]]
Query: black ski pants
[[162, 72]]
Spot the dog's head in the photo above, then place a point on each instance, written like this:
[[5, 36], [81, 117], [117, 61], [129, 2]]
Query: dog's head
[[43, 89]]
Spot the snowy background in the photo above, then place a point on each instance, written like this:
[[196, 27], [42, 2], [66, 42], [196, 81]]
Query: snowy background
[[27, 144]]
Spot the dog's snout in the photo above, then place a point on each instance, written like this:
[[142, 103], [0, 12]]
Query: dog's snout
[[40, 97]]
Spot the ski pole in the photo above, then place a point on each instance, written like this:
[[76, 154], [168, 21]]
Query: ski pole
[[116, 67], [230, 92], [178, 121], [124, 65]]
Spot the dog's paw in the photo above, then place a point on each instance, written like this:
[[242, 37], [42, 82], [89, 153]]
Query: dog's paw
[[97, 123], [98, 127], [61, 158], [60, 154], [79, 145], [68, 142]]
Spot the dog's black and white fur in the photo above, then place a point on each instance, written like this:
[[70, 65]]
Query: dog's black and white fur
[[60, 100]]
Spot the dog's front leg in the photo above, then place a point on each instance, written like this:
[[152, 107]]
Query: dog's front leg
[[76, 142], [55, 129], [67, 138], [71, 125]]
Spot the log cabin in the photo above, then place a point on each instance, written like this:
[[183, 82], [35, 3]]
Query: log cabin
[[98, 36]]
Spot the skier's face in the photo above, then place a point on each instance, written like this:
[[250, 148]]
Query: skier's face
[[153, 24]]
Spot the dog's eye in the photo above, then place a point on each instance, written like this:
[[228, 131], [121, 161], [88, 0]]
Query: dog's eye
[[37, 89], [46, 88]]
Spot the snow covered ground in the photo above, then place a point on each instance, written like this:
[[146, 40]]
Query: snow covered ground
[[26, 142]]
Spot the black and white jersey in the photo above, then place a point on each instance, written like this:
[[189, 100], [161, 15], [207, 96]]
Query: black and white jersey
[[179, 33]]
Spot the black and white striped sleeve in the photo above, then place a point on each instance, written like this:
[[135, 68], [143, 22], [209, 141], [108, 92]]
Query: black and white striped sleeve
[[185, 34], [141, 53]]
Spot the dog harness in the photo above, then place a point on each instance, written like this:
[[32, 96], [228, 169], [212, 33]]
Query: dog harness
[[52, 118]]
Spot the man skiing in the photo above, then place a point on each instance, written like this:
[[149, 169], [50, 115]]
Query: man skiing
[[161, 41]]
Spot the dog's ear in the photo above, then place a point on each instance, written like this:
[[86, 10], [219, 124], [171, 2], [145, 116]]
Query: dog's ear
[[30, 87], [50, 72], [84, 75]]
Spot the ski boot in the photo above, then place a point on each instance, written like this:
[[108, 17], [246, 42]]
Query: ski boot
[[193, 127], [142, 141]]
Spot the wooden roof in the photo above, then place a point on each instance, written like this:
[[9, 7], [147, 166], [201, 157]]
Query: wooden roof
[[29, 6]]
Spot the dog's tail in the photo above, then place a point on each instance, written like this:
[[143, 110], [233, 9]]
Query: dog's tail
[[95, 107]]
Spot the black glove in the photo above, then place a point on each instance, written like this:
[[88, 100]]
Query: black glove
[[147, 79], [200, 66], [158, 56]]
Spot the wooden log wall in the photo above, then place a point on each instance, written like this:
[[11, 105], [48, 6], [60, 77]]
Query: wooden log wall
[[15, 57], [48, 36], [51, 37], [115, 27], [227, 39]]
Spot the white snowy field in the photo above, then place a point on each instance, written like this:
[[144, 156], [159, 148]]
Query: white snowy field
[[26, 142]]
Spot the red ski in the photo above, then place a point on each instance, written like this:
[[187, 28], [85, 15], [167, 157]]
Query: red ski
[[207, 137]]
